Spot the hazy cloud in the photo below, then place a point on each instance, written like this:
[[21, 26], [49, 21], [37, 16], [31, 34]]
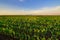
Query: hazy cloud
[[21, 0], [43, 11]]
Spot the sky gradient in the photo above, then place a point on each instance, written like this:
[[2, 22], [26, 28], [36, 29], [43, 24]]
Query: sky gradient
[[27, 7]]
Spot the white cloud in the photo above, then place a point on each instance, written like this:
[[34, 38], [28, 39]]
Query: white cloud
[[43, 11], [21, 0], [47, 11]]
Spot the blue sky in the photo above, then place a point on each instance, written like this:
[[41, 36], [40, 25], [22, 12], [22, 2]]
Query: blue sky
[[29, 4]]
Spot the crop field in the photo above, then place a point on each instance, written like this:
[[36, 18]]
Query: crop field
[[29, 27]]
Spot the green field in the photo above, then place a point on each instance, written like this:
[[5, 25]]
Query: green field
[[30, 27]]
